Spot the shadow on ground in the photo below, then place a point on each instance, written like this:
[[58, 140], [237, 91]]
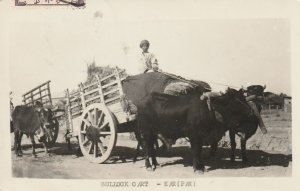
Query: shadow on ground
[[121, 154], [256, 158]]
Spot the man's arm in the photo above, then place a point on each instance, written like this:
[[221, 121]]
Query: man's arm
[[154, 62]]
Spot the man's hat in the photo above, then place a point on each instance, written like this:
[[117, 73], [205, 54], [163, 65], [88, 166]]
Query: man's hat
[[146, 42]]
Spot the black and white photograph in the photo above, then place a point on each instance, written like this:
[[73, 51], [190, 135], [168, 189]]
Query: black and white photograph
[[149, 94]]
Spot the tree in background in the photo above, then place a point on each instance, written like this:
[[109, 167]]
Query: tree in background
[[102, 71]]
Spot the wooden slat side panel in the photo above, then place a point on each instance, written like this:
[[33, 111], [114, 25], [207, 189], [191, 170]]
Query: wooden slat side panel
[[109, 84], [38, 94], [118, 112], [44, 84], [89, 85], [107, 77], [91, 92]]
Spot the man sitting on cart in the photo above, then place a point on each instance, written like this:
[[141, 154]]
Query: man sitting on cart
[[148, 61]]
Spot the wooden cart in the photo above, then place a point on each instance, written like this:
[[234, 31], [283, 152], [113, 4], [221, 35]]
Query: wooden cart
[[95, 115], [42, 93]]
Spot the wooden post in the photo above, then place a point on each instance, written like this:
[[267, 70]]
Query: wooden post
[[69, 111], [82, 96], [100, 89], [119, 81], [49, 93], [40, 91], [31, 97], [24, 100]]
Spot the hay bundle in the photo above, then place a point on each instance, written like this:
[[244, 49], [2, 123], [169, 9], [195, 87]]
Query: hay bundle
[[178, 88], [139, 86]]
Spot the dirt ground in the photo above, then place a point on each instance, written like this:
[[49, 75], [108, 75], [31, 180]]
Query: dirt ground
[[269, 155]]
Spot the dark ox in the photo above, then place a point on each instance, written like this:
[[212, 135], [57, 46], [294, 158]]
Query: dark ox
[[184, 116], [31, 122], [248, 125]]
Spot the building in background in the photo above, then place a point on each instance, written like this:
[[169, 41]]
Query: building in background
[[287, 102]]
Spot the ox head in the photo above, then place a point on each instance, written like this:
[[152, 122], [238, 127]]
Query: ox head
[[45, 118], [257, 90], [235, 108]]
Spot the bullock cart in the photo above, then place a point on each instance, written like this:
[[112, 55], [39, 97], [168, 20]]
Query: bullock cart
[[97, 111], [42, 94], [95, 115]]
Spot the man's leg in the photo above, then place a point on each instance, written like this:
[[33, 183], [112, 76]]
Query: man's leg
[[257, 114]]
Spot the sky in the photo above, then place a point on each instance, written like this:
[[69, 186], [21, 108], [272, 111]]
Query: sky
[[57, 44]]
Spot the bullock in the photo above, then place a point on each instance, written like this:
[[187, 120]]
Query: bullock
[[248, 125], [32, 122], [136, 87], [185, 116]]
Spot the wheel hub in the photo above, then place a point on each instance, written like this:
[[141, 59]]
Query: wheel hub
[[92, 133]]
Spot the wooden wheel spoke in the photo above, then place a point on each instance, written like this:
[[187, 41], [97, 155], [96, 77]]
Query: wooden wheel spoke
[[105, 133], [104, 125], [95, 150], [87, 123], [90, 117], [100, 119], [95, 116], [100, 139], [51, 133], [102, 150], [90, 148], [85, 126], [85, 142]]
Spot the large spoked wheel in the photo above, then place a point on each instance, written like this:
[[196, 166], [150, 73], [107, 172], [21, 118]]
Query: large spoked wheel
[[52, 132], [98, 133]]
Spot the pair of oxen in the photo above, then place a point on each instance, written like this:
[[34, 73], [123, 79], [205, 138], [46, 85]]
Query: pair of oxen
[[202, 116]]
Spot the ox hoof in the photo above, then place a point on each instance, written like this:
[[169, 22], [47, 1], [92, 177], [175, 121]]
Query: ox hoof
[[153, 167], [157, 166], [199, 172], [264, 130], [149, 169]]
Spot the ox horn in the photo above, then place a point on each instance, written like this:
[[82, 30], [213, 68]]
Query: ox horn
[[265, 86]]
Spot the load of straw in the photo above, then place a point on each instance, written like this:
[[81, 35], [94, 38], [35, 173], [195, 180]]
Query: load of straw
[[139, 86], [178, 88]]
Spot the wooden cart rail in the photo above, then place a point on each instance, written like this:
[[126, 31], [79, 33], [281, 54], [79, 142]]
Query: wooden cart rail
[[40, 93], [107, 90]]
